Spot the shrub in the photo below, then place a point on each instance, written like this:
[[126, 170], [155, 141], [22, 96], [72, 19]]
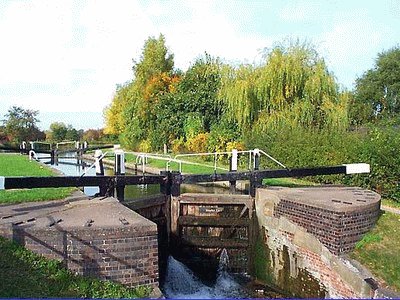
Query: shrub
[[198, 143], [145, 146], [178, 145], [378, 146]]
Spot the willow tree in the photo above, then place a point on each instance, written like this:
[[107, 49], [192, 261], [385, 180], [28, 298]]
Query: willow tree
[[293, 87]]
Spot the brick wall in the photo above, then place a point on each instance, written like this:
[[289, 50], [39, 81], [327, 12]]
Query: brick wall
[[98, 238], [331, 282], [117, 254], [304, 234], [339, 231]]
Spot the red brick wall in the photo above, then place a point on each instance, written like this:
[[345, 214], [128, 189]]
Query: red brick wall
[[123, 255], [339, 231], [318, 267]]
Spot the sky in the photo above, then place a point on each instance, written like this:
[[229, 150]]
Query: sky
[[65, 58]]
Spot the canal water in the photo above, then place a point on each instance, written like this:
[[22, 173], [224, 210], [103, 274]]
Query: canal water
[[180, 282], [70, 166]]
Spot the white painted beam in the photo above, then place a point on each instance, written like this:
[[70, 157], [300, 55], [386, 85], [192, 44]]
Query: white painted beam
[[2, 179], [357, 168]]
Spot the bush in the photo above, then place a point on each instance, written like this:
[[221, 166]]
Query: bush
[[221, 134], [311, 148], [198, 143], [145, 146], [178, 145]]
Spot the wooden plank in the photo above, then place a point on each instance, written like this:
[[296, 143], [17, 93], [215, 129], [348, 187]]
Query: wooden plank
[[212, 221], [230, 176], [77, 181], [279, 173], [212, 242], [146, 202], [214, 200], [301, 172]]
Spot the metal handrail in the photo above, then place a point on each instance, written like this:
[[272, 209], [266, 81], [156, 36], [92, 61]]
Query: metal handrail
[[273, 159], [93, 164], [215, 154], [141, 158]]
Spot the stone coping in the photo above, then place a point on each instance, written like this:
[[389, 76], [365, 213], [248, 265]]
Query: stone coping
[[333, 198], [77, 212]]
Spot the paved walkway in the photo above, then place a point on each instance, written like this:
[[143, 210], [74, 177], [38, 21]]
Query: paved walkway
[[390, 209]]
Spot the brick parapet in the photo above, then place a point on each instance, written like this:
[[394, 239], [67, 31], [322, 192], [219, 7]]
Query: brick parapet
[[125, 253], [338, 231]]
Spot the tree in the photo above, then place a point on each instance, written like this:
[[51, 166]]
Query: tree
[[132, 111], [199, 88], [155, 59], [20, 125], [377, 92], [293, 87], [60, 132], [114, 113], [92, 135]]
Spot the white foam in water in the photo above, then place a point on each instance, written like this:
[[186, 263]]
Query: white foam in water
[[182, 283]]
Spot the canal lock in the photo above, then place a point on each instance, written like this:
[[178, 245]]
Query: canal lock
[[200, 229]]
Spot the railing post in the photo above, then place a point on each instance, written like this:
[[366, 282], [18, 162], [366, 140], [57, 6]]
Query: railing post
[[256, 153], [255, 182], [176, 183], [100, 170], [165, 188], [32, 154], [233, 163], [23, 147], [119, 169], [53, 158]]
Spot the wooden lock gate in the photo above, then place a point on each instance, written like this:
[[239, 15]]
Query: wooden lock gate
[[202, 225]]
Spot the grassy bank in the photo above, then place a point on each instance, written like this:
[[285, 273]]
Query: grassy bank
[[379, 250], [25, 274], [19, 165]]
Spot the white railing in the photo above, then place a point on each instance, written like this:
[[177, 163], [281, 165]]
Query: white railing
[[142, 159]]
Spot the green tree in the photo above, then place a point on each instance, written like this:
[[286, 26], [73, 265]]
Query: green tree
[[377, 92], [59, 132], [21, 125], [155, 59], [114, 113], [293, 87], [199, 88], [192, 107], [72, 134], [132, 111]]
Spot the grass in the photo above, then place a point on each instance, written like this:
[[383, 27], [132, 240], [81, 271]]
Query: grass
[[25, 274], [379, 250], [288, 182], [19, 165]]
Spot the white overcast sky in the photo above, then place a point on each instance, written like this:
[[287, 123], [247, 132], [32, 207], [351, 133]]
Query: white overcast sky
[[61, 57]]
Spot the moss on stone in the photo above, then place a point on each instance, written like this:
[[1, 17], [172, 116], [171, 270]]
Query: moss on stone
[[262, 264]]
